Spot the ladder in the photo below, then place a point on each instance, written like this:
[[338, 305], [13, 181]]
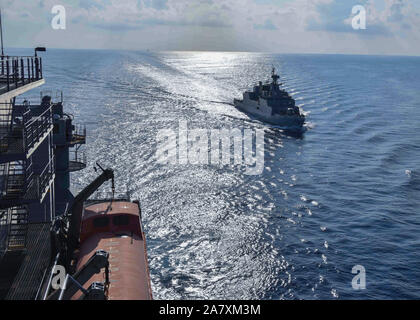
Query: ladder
[[15, 180], [18, 229], [6, 110]]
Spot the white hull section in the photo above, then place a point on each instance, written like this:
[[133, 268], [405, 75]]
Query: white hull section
[[264, 112]]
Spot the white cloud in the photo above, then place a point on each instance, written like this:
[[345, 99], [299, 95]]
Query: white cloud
[[259, 25]]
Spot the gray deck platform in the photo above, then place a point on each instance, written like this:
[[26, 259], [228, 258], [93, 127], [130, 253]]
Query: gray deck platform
[[14, 91], [21, 272]]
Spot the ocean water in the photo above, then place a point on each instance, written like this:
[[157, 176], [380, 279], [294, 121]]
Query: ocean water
[[343, 193]]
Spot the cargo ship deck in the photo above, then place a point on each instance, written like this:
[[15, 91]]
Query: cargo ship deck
[[21, 271]]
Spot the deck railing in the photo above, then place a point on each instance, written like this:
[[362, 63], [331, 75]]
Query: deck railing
[[4, 229], [26, 183], [36, 127], [18, 179], [78, 160], [46, 176], [79, 135], [21, 128], [17, 71]]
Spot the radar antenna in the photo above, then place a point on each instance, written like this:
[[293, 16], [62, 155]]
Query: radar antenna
[[274, 76]]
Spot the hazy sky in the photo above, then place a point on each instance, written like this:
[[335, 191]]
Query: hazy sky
[[301, 26]]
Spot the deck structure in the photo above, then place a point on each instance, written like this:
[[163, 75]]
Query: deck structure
[[35, 166]]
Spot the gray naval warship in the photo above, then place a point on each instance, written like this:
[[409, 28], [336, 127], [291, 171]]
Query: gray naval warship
[[271, 104]]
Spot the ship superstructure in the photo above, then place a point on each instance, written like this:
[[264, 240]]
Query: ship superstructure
[[27, 173], [272, 104], [42, 225], [35, 166]]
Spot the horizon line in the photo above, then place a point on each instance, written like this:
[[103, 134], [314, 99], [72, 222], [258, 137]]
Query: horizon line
[[224, 51]]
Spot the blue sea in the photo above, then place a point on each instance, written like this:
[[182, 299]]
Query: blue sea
[[345, 192]]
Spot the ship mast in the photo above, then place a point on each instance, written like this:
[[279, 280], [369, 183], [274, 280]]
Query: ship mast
[[1, 34], [274, 76]]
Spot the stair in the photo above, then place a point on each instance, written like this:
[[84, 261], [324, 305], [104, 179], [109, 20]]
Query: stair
[[6, 111], [14, 181], [15, 185], [18, 229]]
